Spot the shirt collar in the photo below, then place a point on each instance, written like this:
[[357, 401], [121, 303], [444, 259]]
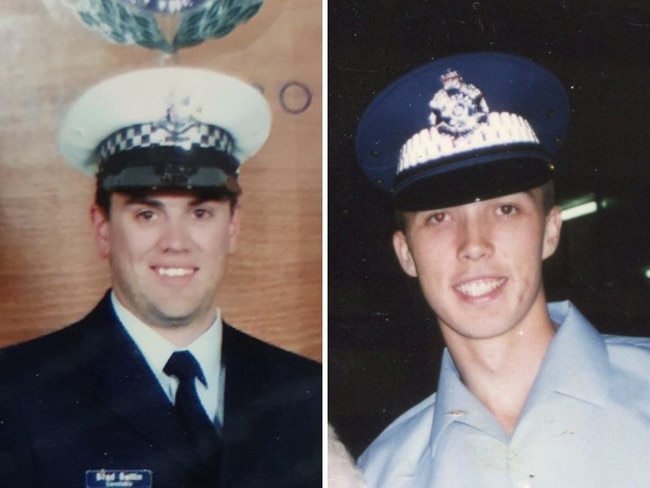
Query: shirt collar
[[575, 365], [157, 350], [455, 403]]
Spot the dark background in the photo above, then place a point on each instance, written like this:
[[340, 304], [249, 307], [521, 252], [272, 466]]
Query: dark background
[[384, 346]]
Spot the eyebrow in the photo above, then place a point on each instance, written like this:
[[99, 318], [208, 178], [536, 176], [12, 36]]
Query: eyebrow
[[156, 203], [140, 200], [529, 194]]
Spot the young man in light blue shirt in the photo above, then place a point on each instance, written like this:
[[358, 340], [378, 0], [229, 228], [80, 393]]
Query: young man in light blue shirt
[[529, 394]]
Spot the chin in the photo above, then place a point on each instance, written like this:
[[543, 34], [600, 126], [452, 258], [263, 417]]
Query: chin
[[174, 316]]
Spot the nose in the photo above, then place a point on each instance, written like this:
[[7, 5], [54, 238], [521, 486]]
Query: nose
[[175, 237], [475, 241]]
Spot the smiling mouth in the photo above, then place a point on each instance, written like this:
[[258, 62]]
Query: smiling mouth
[[174, 272], [478, 288]]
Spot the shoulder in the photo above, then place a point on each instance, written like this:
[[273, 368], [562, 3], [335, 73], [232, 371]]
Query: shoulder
[[59, 350], [39, 350], [631, 345], [630, 362], [412, 429], [624, 360], [260, 375], [239, 346]]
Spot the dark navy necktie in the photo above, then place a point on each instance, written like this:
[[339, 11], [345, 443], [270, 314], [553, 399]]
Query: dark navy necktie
[[199, 430]]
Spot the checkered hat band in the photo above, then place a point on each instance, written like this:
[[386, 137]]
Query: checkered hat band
[[155, 135]]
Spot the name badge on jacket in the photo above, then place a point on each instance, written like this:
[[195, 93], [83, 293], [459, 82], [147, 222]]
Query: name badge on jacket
[[118, 478]]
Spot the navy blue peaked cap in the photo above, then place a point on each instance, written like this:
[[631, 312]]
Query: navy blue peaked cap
[[464, 128]]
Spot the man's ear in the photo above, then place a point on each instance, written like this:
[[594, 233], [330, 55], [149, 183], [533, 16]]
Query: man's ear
[[233, 228], [101, 231], [552, 228], [403, 252]]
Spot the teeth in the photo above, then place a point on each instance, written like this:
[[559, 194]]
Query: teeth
[[174, 271], [479, 287]]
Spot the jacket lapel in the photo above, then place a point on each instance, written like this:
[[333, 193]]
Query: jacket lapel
[[127, 386], [242, 378], [240, 445]]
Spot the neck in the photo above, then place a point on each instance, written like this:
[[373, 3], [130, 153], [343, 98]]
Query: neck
[[501, 371], [182, 336], [181, 332], [184, 331]]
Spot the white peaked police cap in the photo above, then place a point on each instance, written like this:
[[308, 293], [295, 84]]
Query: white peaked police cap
[[161, 128]]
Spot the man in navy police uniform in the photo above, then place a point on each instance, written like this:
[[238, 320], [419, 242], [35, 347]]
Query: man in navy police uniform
[[152, 388], [529, 393]]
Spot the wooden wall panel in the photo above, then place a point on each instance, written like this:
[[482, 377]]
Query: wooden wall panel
[[49, 273]]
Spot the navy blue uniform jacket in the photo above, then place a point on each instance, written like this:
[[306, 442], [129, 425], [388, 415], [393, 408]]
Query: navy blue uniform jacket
[[83, 398]]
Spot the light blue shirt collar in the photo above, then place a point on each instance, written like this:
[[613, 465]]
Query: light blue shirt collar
[[585, 423], [157, 350], [575, 365]]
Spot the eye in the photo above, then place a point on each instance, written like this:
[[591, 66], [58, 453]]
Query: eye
[[202, 213], [145, 214], [437, 217], [507, 209]]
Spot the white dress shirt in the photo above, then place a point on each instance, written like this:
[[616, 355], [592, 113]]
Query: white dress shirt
[[157, 350]]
